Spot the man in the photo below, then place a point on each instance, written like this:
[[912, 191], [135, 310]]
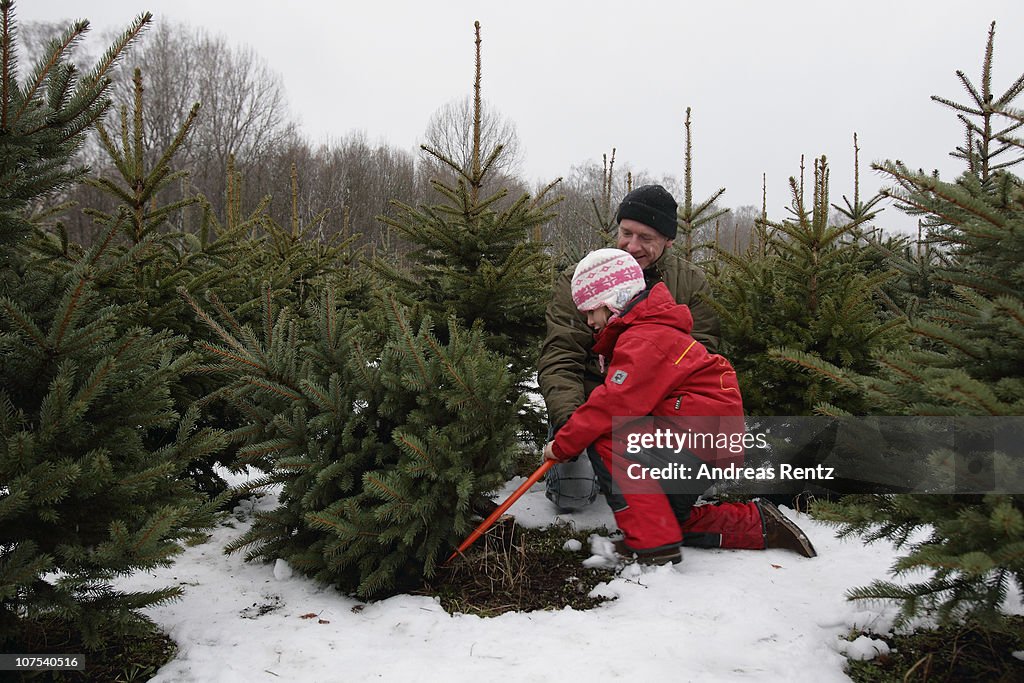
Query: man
[[568, 370]]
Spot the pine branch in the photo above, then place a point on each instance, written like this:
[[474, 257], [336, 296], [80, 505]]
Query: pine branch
[[8, 60], [408, 338], [234, 357], [815, 365], [414, 447], [320, 397], [220, 331], [23, 321], [940, 190], [273, 387], [254, 452], [68, 312], [117, 49], [57, 48], [453, 373]]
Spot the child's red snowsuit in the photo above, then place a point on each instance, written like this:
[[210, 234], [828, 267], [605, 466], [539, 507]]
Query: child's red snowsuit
[[657, 368]]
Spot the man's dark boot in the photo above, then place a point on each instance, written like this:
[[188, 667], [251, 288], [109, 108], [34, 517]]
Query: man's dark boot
[[780, 532]]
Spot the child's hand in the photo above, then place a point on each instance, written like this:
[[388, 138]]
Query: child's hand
[[549, 453]]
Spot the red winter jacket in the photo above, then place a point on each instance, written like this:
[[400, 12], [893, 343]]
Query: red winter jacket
[[655, 368]]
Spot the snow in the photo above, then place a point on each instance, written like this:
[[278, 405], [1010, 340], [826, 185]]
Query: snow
[[282, 572], [602, 553], [572, 545], [720, 615], [863, 648]]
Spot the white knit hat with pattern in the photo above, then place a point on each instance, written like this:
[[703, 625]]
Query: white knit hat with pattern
[[606, 277]]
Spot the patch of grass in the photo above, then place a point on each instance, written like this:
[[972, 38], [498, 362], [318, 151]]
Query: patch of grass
[[127, 660], [960, 652], [512, 569]]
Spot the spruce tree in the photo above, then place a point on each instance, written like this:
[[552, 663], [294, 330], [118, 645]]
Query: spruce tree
[[91, 450], [808, 289], [967, 360], [802, 291], [379, 434], [479, 264], [233, 255]]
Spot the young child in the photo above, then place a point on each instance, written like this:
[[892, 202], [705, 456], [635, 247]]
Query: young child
[[654, 367]]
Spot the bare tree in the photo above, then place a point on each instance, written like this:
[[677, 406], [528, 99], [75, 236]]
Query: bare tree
[[734, 231], [349, 182], [344, 185], [34, 37], [244, 113], [586, 216], [366, 179]]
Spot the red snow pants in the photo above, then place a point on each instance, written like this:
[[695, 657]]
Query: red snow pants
[[652, 519]]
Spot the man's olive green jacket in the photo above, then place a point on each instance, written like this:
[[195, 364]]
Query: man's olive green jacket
[[567, 369]]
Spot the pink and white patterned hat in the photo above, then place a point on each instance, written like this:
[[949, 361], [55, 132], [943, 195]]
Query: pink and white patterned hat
[[606, 277]]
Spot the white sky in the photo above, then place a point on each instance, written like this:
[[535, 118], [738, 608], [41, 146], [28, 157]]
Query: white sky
[[767, 81]]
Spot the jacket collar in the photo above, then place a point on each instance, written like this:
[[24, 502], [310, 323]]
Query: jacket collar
[[604, 341], [654, 305]]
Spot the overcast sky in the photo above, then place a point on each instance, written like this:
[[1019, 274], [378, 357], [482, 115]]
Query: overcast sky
[[767, 81]]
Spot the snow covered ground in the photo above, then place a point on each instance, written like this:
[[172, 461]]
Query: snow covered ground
[[721, 615]]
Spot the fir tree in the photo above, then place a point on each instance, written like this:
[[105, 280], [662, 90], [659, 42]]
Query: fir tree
[[967, 360], [379, 433], [91, 450], [479, 264], [808, 291], [233, 256], [802, 291]]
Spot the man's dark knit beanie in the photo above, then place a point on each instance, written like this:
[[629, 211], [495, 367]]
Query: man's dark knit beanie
[[651, 205]]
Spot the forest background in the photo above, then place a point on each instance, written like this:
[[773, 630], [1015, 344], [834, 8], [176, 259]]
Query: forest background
[[560, 76]]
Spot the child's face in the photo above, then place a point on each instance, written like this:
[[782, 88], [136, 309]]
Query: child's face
[[598, 318]]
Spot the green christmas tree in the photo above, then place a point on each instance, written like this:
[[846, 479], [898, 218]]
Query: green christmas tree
[[379, 434], [233, 255], [91, 449], [808, 290], [478, 264], [967, 360], [804, 290]]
